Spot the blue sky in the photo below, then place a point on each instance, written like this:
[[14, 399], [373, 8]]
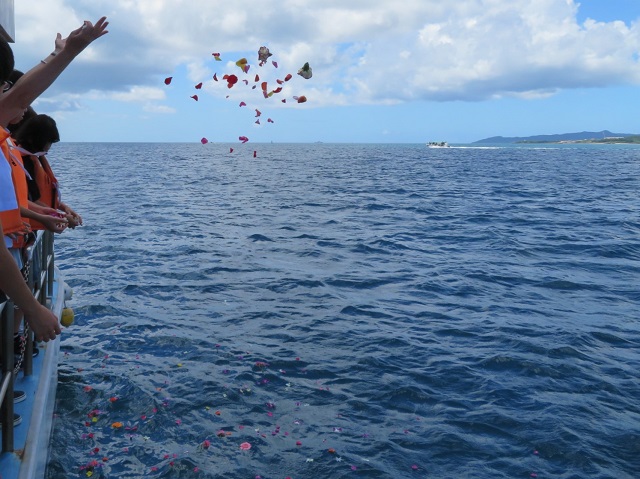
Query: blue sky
[[432, 70]]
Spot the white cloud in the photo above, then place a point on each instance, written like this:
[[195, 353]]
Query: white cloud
[[362, 51], [140, 94]]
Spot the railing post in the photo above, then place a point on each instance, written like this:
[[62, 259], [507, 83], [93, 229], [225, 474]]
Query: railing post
[[6, 385], [48, 260]]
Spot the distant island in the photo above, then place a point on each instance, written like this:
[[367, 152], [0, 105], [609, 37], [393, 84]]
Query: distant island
[[604, 136]]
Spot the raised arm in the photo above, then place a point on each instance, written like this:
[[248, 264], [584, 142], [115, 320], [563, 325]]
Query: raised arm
[[33, 83]]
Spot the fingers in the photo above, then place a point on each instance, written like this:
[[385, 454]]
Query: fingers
[[49, 335]]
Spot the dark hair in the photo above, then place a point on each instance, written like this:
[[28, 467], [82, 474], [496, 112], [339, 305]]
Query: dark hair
[[36, 132], [7, 61], [15, 76], [28, 114]]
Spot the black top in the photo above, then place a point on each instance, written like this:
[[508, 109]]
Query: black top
[[32, 186]]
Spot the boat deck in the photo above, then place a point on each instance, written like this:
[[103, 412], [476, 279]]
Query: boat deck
[[31, 436]]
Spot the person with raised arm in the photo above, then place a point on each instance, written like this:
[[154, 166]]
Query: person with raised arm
[[39, 78]]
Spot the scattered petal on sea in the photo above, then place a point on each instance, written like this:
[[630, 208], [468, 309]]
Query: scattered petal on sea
[[245, 446], [116, 425]]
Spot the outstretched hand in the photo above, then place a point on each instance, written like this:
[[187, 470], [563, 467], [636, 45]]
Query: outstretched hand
[[81, 37], [43, 322]]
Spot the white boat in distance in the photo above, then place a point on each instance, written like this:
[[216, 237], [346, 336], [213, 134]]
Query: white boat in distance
[[438, 144]]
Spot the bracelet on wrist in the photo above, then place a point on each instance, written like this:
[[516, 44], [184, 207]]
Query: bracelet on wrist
[[52, 54]]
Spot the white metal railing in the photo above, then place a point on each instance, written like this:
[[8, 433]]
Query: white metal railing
[[40, 267]]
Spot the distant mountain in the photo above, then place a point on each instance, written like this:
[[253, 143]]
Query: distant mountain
[[583, 135]]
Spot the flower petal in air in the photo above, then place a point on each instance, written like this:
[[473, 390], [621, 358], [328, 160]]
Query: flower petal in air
[[231, 80], [263, 55], [242, 64], [305, 72], [167, 80]]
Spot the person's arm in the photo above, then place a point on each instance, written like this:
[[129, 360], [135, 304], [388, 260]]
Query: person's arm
[[39, 78], [55, 224], [42, 321], [74, 218]]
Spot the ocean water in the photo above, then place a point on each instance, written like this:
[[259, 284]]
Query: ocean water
[[349, 311]]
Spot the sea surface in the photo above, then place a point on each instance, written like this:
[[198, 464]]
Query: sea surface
[[349, 311]]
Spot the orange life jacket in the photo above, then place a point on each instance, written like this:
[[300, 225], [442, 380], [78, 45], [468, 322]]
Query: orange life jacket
[[12, 222], [47, 184]]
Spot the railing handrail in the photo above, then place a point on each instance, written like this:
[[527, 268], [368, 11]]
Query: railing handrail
[[40, 265]]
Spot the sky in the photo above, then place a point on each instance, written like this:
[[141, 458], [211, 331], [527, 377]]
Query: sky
[[383, 72]]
